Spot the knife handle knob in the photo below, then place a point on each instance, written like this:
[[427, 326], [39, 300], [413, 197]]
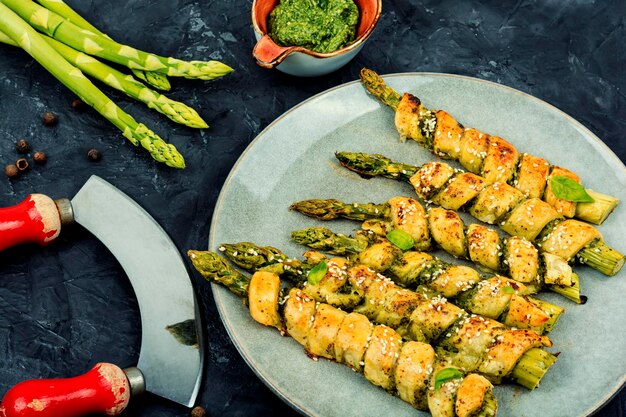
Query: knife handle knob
[[103, 390], [37, 219]]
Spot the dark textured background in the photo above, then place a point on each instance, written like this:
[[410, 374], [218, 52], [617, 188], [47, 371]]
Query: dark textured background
[[69, 305]]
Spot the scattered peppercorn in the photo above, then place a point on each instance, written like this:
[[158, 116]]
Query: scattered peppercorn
[[198, 411], [39, 158], [94, 155], [22, 146], [78, 104], [22, 164], [11, 171], [50, 119]]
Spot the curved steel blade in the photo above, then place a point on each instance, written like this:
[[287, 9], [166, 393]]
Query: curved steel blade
[[158, 274]]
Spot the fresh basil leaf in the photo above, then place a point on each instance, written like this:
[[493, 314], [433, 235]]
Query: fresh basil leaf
[[401, 239], [568, 189], [318, 272], [445, 375], [509, 290]]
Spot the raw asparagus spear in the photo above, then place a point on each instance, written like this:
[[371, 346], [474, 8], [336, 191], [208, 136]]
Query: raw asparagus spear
[[154, 79], [137, 133], [412, 370], [492, 157], [174, 110], [415, 315], [90, 43], [498, 203], [515, 257]]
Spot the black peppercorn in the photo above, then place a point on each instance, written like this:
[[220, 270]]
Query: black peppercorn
[[39, 158], [22, 146], [94, 155], [50, 119], [78, 104], [22, 164], [198, 412], [11, 171]]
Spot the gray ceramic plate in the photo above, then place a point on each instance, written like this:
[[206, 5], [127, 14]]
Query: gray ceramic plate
[[293, 160]]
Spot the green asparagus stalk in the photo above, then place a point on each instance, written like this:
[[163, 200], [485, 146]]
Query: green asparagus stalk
[[154, 79], [604, 258], [138, 134], [330, 209], [6, 40], [90, 43], [174, 110], [423, 126], [535, 361]]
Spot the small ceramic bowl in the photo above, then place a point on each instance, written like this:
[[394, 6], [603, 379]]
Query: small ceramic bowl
[[302, 62]]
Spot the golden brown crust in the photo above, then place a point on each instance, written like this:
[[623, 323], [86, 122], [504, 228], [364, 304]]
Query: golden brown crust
[[524, 313], [484, 246], [432, 318], [501, 161], [413, 371], [529, 218], [471, 395], [455, 280], [459, 191], [494, 202], [522, 258], [381, 355], [430, 178], [263, 294], [352, 340], [532, 175], [508, 348], [408, 215], [447, 229], [326, 324], [564, 207], [298, 314], [447, 138], [407, 118], [379, 256], [474, 145], [569, 237]]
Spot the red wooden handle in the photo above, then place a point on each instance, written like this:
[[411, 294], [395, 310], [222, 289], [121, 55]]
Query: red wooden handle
[[103, 390], [34, 220]]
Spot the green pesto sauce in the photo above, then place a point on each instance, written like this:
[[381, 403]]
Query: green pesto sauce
[[318, 25]]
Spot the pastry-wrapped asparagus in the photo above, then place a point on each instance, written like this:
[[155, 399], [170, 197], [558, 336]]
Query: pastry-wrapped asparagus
[[411, 370], [419, 316], [497, 203], [492, 157], [515, 256]]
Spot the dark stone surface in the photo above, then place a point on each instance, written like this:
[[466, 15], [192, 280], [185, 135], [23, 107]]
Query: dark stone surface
[[67, 306]]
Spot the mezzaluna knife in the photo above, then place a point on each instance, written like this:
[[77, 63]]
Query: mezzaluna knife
[[167, 367]]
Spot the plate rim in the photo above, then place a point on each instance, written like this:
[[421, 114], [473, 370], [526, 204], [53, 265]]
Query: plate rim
[[611, 158]]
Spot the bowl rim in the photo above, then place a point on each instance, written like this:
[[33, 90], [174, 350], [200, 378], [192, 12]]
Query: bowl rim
[[358, 41]]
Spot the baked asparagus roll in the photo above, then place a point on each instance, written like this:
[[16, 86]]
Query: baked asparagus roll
[[411, 370], [498, 203], [492, 157], [416, 315], [514, 257]]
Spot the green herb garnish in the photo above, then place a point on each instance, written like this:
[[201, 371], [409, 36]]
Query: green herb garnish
[[401, 239], [568, 189], [509, 290], [445, 375], [317, 273]]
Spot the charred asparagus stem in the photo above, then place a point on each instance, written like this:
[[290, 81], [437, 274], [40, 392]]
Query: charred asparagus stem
[[497, 203], [412, 314], [412, 370], [492, 157], [514, 257]]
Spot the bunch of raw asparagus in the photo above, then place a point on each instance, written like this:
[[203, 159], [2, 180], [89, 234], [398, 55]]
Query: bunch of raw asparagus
[[68, 46]]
